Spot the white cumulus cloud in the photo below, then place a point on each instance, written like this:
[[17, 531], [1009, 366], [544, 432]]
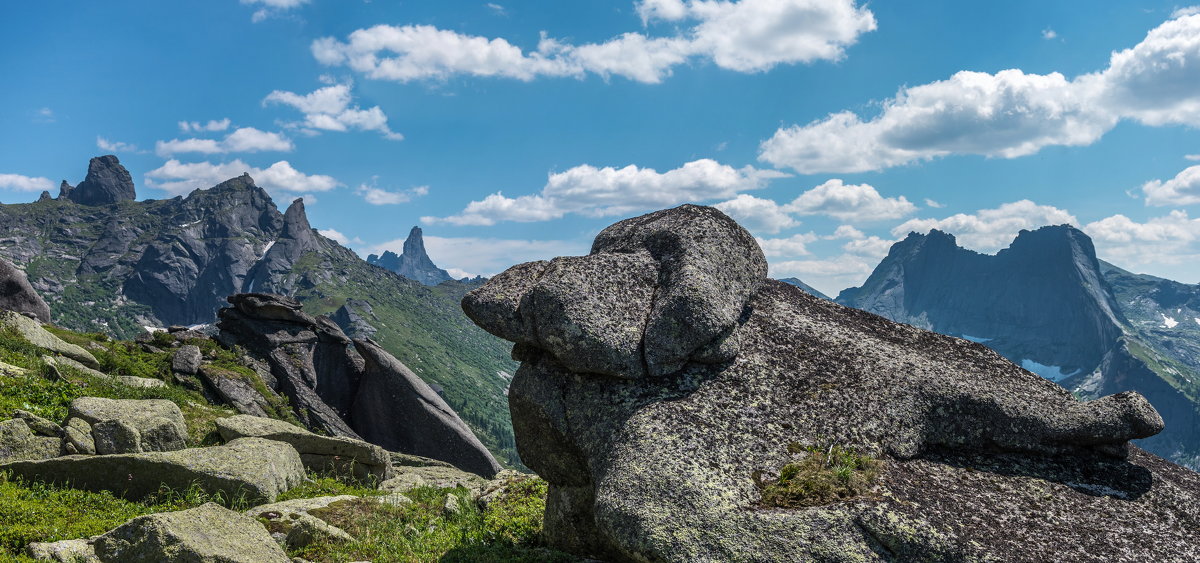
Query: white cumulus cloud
[[178, 178], [272, 7], [378, 196], [21, 183], [757, 214], [1159, 242], [331, 109], [1183, 189], [603, 192], [744, 36], [989, 230], [198, 127], [850, 202], [787, 247], [1008, 114], [114, 146], [244, 139]]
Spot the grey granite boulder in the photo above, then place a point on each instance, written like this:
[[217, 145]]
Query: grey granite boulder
[[746, 372], [236, 390], [656, 292], [32, 331], [38, 425], [18, 442], [255, 468], [77, 437], [186, 359], [18, 296], [207, 533], [131, 425], [319, 453], [64, 551]]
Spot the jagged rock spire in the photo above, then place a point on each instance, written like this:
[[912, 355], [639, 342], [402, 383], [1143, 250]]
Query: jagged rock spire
[[107, 182], [415, 263]]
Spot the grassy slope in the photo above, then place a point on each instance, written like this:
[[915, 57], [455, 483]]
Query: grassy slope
[[506, 530]]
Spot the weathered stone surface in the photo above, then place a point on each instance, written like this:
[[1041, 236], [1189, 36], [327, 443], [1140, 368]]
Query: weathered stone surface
[[293, 344], [352, 318], [128, 380], [232, 388], [408, 478], [257, 468], [38, 425], [32, 331], [9, 369], [156, 424], [77, 437], [397, 410], [65, 551], [656, 292], [18, 442], [660, 468], [115, 436], [352, 389], [319, 453], [205, 534], [18, 296], [282, 509], [187, 359], [106, 182]]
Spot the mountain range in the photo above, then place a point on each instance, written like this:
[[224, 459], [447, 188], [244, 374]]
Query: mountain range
[[108, 263], [1049, 305]]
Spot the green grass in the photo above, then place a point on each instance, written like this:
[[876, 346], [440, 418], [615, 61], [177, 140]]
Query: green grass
[[509, 530], [329, 486], [826, 475], [32, 511]]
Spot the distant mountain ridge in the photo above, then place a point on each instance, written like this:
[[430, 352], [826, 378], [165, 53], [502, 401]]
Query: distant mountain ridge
[[117, 265], [807, 288], [413, 263], [1048, 304]]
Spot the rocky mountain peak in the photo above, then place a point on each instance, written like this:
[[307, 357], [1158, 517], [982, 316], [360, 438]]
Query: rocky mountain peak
[[295, 221], [64, 190], [45, 196], [107, 182], [414, 263]]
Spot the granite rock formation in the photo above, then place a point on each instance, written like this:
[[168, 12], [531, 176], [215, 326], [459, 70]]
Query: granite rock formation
[[651, 447], [106, 182], [17, 295], [1046, 303], [413, 263], [349, 388]]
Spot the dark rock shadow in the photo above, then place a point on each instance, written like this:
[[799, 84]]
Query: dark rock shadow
[[1084, 471]]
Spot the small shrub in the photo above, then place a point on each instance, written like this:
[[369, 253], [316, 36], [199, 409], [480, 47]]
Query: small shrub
[[826, 475]]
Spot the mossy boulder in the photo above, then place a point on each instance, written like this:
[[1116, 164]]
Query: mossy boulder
[[18, 442], [254, 469], [32, 331], [205, 534], [131, 425]]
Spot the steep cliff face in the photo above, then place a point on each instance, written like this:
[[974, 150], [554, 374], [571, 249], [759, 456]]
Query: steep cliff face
[[106, 182], [414, 263], [1045, 304]]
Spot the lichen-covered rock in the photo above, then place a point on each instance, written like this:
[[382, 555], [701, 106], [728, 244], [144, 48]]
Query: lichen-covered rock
[[77, 437], [234, 389], [18, 296], [253, 468], [663, 468], [65, 551], [18, 442], [150, 425], [319, 453], [408, 478], [186, 359], [39, 425], [32, 331], [205, 534]]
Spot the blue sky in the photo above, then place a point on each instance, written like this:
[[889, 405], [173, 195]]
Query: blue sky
[[516, 130]]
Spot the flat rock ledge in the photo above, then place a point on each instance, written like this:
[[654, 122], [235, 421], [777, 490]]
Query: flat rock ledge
[[336, 454], [258, 469]]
